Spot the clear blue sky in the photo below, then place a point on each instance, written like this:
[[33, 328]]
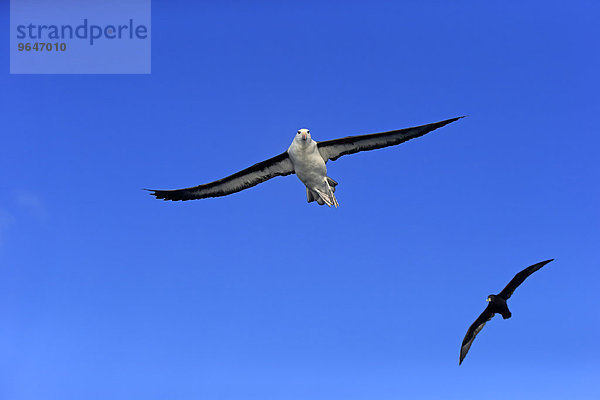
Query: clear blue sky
[[107, 293]]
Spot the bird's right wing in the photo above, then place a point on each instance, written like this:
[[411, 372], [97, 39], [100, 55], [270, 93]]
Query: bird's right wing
[[473, 330], [334, 149], [280, 165], [520, 278]]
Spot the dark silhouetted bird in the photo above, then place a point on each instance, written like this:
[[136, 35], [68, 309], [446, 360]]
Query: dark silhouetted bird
[[497, 304]]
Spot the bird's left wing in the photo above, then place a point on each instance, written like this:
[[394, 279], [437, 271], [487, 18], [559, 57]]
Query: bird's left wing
[[473, 330], [334, 149], [280, 165], [520, 278]]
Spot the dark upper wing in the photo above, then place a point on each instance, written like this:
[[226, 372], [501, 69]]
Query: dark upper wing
[[277, 166], [520, 278], [334, 149], [473, 330]]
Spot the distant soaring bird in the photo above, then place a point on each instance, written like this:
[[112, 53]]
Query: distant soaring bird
[[497, 305], [306, 158]]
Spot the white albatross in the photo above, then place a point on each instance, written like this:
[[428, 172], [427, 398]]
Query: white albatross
[[306, 158]]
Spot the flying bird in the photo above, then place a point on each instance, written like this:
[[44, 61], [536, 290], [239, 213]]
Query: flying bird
[[497, 304], [306, 158]]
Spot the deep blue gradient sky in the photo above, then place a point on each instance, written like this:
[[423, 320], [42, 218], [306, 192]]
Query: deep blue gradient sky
[[107, 293]]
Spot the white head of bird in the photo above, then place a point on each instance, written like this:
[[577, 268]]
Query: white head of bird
[[303, 136]]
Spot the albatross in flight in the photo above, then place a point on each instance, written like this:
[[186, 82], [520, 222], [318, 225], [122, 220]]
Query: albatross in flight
[[497, 304], [306, 158]]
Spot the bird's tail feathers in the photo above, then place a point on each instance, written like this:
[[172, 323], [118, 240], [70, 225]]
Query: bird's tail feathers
[[335, 202], [315, 196], [331, 184], [328, 197]]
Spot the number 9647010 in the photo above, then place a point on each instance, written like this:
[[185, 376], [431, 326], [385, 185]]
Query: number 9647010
[[41, 46]]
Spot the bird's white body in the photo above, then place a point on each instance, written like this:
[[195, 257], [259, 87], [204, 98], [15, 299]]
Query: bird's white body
[[308, 163], [310, 168]]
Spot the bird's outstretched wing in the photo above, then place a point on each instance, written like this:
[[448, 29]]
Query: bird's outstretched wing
[[520, 278], [334, 149], [473, 330], [277, 166]]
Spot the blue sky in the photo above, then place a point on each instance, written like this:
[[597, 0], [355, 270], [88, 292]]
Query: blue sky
[[109, 293]]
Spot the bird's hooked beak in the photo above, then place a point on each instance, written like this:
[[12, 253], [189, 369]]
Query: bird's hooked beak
[[488, 299], [304, 136]]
